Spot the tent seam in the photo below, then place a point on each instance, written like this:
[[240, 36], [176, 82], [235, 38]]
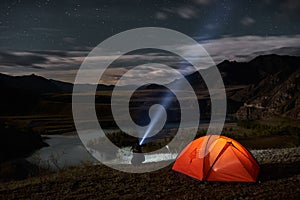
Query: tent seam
[[221, 152]]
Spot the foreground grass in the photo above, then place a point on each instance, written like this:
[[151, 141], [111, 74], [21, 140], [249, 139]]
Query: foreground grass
[[276, 181]]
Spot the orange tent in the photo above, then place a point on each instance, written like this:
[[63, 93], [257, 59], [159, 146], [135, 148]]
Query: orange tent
[[217, 158]]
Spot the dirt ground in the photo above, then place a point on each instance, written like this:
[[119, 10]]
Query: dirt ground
[[279, 179]]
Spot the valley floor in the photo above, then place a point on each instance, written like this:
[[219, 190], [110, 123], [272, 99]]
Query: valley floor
[[279, 179]]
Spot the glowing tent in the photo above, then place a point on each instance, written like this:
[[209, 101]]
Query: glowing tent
[[217, 158]]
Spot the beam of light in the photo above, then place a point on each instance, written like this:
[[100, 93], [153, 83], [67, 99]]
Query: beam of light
[[166, 102], [221, 15], [158, 115]]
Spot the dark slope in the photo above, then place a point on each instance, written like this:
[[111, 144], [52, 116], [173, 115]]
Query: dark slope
[[270, 82]]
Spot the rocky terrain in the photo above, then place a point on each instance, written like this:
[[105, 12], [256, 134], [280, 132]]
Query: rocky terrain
[[278, 93], [279, 179], [265, 87], [285, 155]]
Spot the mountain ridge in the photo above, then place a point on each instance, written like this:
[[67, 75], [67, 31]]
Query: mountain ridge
[[267, 81]]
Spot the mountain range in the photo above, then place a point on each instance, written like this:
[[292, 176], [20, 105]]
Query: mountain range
[[267, 86]]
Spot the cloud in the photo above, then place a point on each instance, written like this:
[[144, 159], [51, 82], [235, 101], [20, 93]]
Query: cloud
[[21, 59], [245, 48], [63, 65], [184, 12], [161, 16], [247, 21], [40, 62], [69, 40], [210, 26], [203, 2], [149, 73], [187, 12]]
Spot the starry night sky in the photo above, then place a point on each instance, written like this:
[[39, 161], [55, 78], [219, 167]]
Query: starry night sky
[[50, 36]]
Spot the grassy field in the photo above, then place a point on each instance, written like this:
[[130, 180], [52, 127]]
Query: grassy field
[[276, 181]]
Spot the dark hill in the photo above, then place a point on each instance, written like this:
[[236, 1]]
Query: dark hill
[[245, 73], [17, 143], [32, 83], [268, 84]]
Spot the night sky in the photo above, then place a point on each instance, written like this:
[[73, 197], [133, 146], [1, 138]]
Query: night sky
[[51, 38]]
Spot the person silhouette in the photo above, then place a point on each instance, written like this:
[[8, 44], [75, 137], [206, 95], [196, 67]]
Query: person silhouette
[[138, 156]]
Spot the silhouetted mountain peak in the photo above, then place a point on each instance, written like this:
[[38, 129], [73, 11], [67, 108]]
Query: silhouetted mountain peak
[[268, 81], [29, 82], [225, 63]]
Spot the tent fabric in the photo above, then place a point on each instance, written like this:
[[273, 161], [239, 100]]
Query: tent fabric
[[217, 158]]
